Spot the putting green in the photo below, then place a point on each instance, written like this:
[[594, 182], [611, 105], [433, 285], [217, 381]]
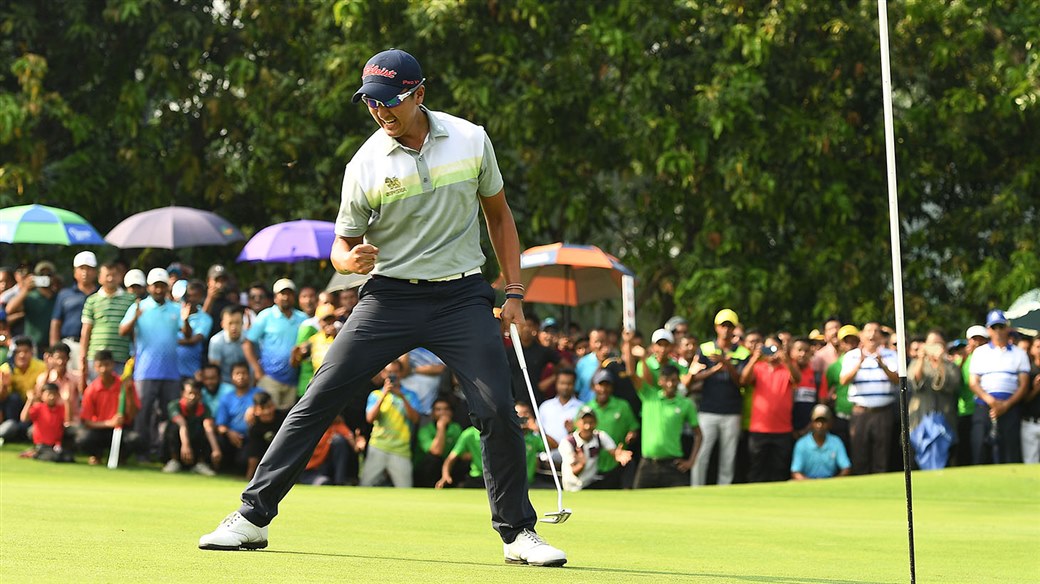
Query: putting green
[[63, 523]]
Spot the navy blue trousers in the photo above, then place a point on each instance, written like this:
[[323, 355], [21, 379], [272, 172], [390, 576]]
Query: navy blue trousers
[[452, 319]]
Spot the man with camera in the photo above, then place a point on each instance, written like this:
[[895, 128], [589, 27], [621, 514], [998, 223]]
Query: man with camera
[[35, 299], [391, 412], [774, 376]]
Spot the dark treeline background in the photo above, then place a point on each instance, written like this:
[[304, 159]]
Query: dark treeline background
[[732, 153]]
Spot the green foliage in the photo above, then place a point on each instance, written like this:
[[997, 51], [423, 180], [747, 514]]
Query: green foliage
[[732, 153]]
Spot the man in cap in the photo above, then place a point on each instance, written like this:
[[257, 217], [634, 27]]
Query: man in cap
[[269, 344], [819, 454], [583, 449], [721, 404], [999, 378], [614, 417], [848, 339], [155, 322], [216, 295], [412, 196], [67, 318], [102, 313], [135, 283], [975, 337]]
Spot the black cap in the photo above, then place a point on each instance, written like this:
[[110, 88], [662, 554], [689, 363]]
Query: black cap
[[389, 74]]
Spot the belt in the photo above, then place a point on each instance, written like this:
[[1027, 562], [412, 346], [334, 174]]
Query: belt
[[660, 460], [1033, 420], [450, 278], [856, 408]]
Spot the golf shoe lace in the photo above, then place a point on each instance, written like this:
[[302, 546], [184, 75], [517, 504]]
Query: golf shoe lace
[[533, 537]]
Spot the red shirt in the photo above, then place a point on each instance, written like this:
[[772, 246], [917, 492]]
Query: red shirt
[[773, 399], [101, 403], [48, 423]]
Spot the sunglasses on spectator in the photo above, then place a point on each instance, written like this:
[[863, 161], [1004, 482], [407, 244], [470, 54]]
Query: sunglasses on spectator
[[394, 101]]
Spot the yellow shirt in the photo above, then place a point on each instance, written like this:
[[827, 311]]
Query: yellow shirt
[[23, 381]]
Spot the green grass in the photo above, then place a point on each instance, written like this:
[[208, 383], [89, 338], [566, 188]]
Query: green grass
[[74, 523]]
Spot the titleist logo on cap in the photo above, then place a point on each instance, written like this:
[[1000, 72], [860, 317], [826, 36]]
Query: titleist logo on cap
[[379, 71]]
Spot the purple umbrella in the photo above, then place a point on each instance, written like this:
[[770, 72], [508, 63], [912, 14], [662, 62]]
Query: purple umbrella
[[291, 241], [172, 228]]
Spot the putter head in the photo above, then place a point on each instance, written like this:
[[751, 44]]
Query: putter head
[[558, 517]]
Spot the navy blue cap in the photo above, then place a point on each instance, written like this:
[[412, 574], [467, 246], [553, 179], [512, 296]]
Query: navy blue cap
[[389, 74]]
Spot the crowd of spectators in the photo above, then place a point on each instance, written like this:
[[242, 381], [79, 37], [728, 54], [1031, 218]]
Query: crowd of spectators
[[199, 375]]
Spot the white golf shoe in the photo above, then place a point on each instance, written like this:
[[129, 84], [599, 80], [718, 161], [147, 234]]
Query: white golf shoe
[[173, 465], [235, 532], [529, 548]]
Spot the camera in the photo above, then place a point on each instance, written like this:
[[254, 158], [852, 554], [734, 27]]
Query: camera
[[392, 378], [42, 281], [768, 350]]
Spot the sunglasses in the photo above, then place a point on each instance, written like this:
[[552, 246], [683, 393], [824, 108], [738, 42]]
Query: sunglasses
[[394, 101]]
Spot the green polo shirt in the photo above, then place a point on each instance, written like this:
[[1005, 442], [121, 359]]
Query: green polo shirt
[[663, 421], [428, 432], [533, 445], [104, 313], [655, 368], [469, 443], [966, 399], [614, 417], [842, 405], [421, 208]]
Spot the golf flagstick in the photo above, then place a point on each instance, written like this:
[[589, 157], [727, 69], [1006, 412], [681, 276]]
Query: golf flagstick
[[897, 270], [117, 433], [561, 514]]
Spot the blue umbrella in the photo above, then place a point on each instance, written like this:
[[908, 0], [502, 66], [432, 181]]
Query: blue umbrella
[[42, 224], [172, 228], [291, 241]]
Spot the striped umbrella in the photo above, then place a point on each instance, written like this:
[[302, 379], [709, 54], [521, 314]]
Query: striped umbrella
[[570, 275], [42, 224]]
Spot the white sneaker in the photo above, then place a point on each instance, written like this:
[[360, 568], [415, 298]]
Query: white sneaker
[[204, 469], [173, 465], [529, 548], [235, 532]]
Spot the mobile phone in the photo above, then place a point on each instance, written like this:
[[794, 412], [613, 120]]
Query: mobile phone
[[393, 378], [42, 281]]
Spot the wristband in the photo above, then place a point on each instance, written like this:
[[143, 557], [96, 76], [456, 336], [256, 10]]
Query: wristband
[[515, 297]]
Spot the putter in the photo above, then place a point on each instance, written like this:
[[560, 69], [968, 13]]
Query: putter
[[561, 514]]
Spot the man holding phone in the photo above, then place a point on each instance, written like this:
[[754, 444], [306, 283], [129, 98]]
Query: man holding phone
[[392, 413], [35, 299]]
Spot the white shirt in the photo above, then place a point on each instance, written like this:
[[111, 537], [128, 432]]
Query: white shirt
[[599, 445], [998, 369], [554, 414], [871, 387]]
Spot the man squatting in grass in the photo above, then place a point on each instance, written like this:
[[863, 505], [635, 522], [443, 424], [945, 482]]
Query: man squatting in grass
[[409, 217]]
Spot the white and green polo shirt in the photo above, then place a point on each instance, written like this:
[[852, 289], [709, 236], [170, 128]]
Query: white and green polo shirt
[[421, 209]]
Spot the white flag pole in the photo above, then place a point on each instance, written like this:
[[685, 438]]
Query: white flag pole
[[897, 270]]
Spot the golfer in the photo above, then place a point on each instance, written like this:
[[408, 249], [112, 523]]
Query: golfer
[[409, 217]]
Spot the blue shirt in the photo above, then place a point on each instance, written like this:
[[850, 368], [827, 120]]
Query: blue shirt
[[583, 372], [231, 411], [189, 357], [274, 336], [68, 308], [155, 338], [819, 462], [225, 353], [212, 400]]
